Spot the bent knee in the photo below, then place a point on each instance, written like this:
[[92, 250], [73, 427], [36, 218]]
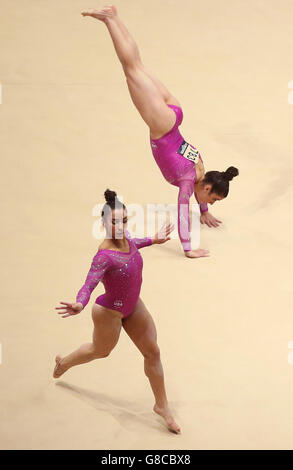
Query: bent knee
[[152, 353]]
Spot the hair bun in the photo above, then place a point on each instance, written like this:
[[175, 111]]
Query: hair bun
[[230, 173], [110, 196]]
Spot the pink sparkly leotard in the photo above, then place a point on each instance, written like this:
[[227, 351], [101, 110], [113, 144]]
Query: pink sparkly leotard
[[178, 171], [121, 274]]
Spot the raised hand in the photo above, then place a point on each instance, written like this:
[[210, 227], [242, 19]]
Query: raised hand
[[209, 219], [69, 309], [163, 234]]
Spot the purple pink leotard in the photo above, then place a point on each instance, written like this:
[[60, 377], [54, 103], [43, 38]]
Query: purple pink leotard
[[121, 274], [179, 171]]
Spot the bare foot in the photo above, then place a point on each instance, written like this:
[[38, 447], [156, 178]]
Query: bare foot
[[106, 12], [59, 370], [166, 414], [197, 253]]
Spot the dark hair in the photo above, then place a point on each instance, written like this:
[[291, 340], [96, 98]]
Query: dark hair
[[220, 180], [112, 202]]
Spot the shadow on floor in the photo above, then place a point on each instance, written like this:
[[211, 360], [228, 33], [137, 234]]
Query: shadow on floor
[[126, 413]]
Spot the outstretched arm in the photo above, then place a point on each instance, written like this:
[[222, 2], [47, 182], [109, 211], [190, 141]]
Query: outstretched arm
[[99, 266], [142, 242], [139, 242], [160, 237], [186, 189]]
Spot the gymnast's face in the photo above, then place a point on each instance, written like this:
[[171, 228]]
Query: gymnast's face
[[213, 197], [116, 223], [207, 196]]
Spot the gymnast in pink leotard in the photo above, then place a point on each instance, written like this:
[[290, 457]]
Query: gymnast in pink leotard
[[121, 274], [179, 171], [179, 162], [118, 265]]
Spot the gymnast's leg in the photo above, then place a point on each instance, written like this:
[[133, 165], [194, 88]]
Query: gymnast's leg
[[148, 94], [107, 327], [141, 329], [166, 95]]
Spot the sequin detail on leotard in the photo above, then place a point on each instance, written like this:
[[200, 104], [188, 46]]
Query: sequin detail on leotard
[[121, 274], [179, 171]]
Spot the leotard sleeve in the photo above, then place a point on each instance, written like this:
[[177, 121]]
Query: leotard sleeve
[[140, 242], [186, 188], [99, 266], [203, 207]]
